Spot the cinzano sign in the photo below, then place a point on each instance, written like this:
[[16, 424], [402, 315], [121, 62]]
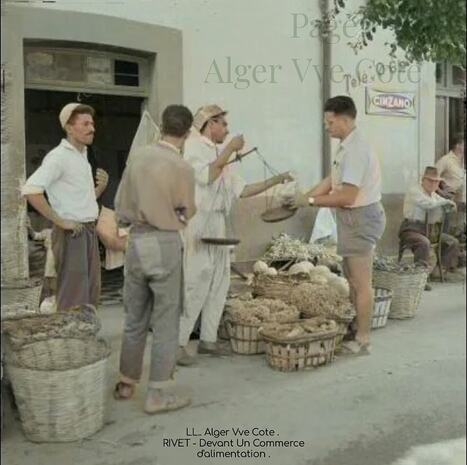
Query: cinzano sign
[[390, 103]]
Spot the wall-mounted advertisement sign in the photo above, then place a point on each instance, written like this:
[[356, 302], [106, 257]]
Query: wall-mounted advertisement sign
[[387, 103]]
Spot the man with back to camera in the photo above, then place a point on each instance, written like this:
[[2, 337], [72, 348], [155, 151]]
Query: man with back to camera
[[156, 198], [354, 190], [66, 176]]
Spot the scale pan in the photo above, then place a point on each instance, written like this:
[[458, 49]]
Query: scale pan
[[220, 241], [277, 214]]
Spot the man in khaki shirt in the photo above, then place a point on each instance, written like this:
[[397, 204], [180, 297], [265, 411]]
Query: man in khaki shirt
[[156, 198]]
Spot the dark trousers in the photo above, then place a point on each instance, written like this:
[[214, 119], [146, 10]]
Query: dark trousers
[[412, 236], [78, 267]]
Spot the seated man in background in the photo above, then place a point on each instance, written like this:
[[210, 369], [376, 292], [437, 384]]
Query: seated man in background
[[420, 200], [451, 168]]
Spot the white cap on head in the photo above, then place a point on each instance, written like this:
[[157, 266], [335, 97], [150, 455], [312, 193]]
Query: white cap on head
[[66, 112], [204, 114]]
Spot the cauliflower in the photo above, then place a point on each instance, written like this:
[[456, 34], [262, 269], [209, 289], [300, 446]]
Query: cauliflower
[[301, 268], [260, 267], [271, 272], [340, 285]]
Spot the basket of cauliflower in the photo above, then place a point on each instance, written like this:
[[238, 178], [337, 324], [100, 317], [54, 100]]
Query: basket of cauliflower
[[243, 317], [268, 282]]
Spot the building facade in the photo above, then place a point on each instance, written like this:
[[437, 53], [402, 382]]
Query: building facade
[[266, 63]]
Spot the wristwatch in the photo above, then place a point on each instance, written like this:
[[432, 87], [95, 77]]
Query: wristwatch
[[311, 200]]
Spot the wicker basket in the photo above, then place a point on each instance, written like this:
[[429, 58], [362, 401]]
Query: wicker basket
[[343, 322], [381, 308], [277, 287], [60, 388], [245, 339], [407, 289], [311, 351], [27, 292]]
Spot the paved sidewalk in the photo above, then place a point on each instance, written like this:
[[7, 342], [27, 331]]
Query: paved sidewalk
[[362, 411]]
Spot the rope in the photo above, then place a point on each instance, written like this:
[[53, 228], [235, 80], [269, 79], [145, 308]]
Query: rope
[[267, 167]]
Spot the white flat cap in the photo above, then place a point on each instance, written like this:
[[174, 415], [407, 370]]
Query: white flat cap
[[66, 112]]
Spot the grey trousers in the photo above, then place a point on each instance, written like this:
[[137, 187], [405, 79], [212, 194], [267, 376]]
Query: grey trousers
[[152, 298], [78, 267]]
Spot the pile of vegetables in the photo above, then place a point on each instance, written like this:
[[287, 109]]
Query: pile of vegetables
[[317, 299], [298, 329], [392, 265], [284, 247], [257, 311], [306, 271]]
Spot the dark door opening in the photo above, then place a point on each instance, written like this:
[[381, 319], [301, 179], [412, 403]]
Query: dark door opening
[[117, 119]]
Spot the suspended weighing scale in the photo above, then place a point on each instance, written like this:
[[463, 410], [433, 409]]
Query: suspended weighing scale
[[270, 215]]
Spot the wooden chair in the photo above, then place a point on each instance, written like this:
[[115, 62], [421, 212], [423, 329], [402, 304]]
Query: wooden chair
[[434, 232]]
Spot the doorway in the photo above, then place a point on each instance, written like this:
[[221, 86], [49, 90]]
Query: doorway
[[450, 121], [117, 119]]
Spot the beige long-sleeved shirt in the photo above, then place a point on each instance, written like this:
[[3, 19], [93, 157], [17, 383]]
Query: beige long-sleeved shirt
[[157, 188], [450, 168]]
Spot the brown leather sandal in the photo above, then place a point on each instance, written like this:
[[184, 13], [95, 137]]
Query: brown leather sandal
[[123, 391]]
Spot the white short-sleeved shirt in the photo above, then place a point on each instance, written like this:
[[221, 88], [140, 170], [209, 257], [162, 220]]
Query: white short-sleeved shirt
[[200, 152], [355, 163], [66, 176]]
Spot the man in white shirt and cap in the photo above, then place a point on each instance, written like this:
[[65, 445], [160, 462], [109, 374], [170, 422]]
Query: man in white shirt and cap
[[207, 267], [66, 176], [354, 190]]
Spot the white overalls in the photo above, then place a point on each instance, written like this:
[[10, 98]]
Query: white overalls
[[207, 267]]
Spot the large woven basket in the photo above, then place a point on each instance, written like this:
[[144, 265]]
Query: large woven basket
[[381, 308], [244, 338], [407, 289], [60, 388], [304, 353], [26, 292]]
